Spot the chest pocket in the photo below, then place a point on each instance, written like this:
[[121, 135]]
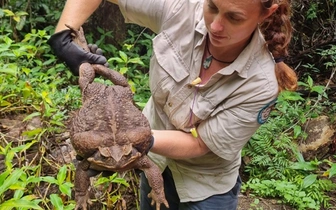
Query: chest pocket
[[168, 68]]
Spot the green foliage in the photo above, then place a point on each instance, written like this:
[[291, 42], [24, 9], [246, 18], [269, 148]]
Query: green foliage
[[312, 11], [22, 182], [34, 82], [329, 55], [60, 181], [115, 195], [25, 16], [312, 49], [276, 167], [133, 62], [301, 196]]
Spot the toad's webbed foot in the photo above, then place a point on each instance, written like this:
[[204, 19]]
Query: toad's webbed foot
[[82, 201]]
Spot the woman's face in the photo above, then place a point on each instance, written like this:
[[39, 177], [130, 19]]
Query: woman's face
[[231, 22]]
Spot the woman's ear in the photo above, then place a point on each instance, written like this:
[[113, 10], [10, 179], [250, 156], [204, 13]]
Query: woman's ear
[[269, 12]]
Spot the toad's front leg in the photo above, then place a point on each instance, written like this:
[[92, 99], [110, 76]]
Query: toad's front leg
[[87, 143]]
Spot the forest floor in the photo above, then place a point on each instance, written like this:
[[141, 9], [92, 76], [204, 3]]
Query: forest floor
[[257, 203], [13, 127], [59, 151]]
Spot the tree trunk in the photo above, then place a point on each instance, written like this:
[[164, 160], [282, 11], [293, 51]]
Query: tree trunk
[[109, 18]]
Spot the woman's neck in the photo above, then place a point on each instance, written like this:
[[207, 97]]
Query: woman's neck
[[228, 53]]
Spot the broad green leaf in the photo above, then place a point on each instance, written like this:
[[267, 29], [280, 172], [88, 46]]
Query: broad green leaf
[[3, 176], [61, 174], [297, 131], [42, 33], [66, 188], [21, 13], [9, 157], [57, 123], [302, 194], [26, 92], [5, 103], [306, 166], [18, 194], [10, 180], [11, 69], [32, 133], [310, 81], [8, 12], [48, 62], [20, 204], [128, 46], [70, 206], [136, 60], [332, 171], [291, 96], [38, 62], [33, 179], [17, 186], [49, 179], [23, 147], [309, 180], [100, 30], [123, 70], [132, 85], [56, 201], [21, 23], [31, 116], [119, 60], [302, 84], [318, 89], [17, 18], [7, 40], [123, 56]]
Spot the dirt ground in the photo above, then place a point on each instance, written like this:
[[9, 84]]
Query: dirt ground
[[256, 203]]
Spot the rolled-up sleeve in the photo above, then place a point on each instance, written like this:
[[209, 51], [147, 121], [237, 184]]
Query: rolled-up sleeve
[[226, 132]]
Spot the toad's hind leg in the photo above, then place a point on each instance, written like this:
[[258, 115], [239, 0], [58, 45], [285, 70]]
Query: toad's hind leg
[[155, 180], [82, 184]]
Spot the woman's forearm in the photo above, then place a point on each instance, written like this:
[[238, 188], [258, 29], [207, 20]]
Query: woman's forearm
[[177, 144], [76, 12]]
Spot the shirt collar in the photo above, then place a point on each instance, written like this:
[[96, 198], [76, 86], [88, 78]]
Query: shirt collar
[[245, 59]]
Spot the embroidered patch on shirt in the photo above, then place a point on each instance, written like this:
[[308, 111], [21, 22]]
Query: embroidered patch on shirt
[[265, 112]]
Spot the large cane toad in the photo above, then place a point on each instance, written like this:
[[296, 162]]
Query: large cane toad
[[109, 132]]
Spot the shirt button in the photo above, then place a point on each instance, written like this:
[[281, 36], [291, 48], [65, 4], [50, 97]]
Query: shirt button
[[190, 86], [170, 104]]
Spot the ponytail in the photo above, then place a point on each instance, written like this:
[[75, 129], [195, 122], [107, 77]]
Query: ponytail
[[277, 30]]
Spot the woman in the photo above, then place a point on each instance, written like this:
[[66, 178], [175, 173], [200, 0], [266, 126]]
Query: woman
[[216, 71]]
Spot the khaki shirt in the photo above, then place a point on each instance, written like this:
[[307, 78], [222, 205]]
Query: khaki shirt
[[226, 108]]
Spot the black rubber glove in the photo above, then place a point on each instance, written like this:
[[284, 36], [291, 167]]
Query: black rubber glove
[[96, 50], [70, 53], [150, 145]]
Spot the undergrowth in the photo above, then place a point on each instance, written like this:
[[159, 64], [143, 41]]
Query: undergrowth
[[34, 83]]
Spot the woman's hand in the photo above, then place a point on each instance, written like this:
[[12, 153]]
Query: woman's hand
[[73, 55]]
